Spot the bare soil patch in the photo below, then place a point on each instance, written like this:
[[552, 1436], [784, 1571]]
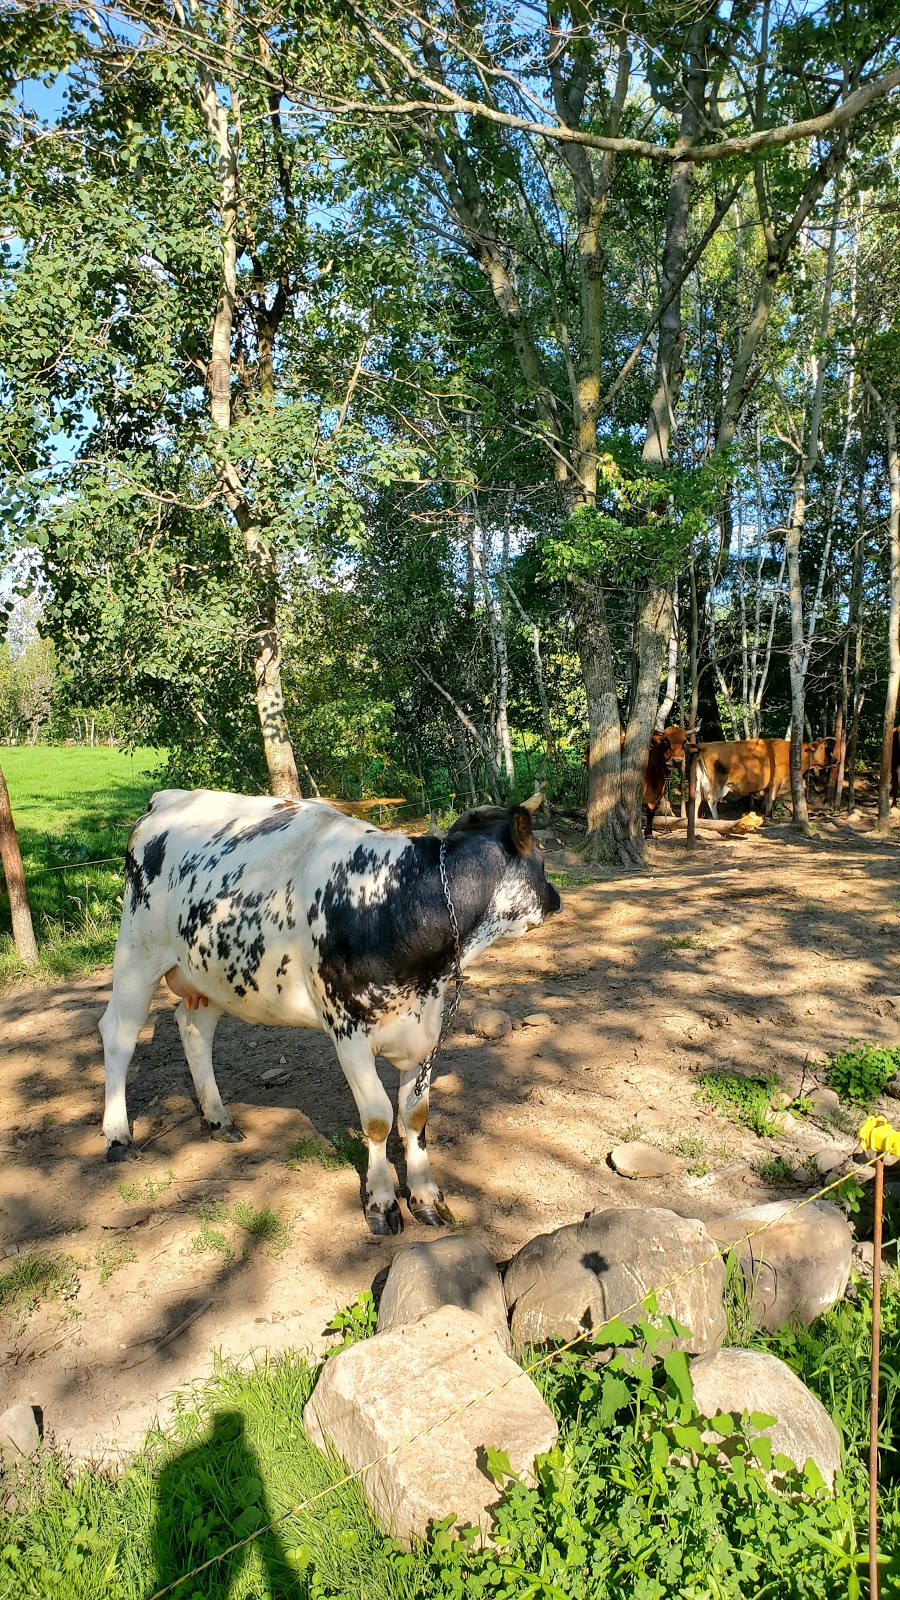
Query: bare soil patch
[[760, 953]]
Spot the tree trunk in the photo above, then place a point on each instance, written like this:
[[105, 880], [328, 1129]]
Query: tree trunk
[[11, 858], [893, 680], [604, 730], [268, 692], [792, 551]]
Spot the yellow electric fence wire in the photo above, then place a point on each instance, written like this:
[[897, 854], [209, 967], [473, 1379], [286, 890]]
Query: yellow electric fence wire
[[549, 1356]]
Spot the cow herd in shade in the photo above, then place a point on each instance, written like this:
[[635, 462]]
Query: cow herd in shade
[[292, 913]]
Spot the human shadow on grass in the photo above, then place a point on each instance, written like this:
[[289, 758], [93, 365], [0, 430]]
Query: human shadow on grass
[[209, 1498]]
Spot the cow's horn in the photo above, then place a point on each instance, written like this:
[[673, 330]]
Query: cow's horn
[[536, 801]]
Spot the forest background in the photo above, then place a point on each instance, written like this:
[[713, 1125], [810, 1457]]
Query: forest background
[[419, 400]]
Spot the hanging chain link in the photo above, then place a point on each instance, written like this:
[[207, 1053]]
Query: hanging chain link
[[423, 1077]]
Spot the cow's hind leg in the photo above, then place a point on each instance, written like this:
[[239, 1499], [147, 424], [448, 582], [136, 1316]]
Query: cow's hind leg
[[197, 1029], [376, 1115], [426, 1201], [120, 1025]]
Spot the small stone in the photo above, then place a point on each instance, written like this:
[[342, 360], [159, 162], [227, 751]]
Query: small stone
[[378, 1394], [828, 1160], [492, 1024], [892, 1000], [537, 1019], [653, 1119], [893, 1087], [119, 1218], [274, 1075], [639, 1160], [20, 1431], [456, 1271], [282, 1061], [732, 1382], [824, 1101], [781, 1100], [800, 1175]]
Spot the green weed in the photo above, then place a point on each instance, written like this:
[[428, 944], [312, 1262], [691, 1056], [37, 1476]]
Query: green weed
[[342, 1150], [741, 1320], [859, 1075], [34, 1276], [686, 941], [774, 1170], [744, 1100], [147, 1189], [692, 1149], [265, 1225], [112, 1256], [570, 880], [211, 1239], [356, 1321]]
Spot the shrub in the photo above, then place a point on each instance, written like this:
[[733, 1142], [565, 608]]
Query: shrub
[[744, 1100], [859, 1075]]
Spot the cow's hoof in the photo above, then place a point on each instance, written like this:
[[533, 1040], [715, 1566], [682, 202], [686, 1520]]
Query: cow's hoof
[[383, 1220], [224, 1133], [117, 1151], [432, 1216]]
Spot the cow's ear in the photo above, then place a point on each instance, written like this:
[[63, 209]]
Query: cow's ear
[[522, 827]]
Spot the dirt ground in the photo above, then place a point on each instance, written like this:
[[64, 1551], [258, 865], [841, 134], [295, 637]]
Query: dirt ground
[[760, 953]]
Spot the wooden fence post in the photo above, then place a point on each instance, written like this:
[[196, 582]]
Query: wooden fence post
[[11, 857]]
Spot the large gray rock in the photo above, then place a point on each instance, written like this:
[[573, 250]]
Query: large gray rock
[[563, 1283], [492, 1023], [735, 1382], [798, 1266], [456, 1271], [383, 1392], [20, 1433]]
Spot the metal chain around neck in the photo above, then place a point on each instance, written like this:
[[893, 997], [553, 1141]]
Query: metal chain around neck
[[423, 1077]]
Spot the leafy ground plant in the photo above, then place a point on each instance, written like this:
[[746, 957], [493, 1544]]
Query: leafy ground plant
[[743, 1100], [774, 1170], [860, 1073]]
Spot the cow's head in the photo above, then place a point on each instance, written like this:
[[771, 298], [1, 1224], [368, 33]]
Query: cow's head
[[523, 897], [816, 754], [678, 739]]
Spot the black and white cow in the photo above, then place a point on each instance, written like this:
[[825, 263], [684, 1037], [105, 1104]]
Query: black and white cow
[[290, 913]]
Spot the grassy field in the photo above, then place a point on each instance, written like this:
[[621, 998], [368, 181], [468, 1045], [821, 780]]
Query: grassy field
[[73, 809]]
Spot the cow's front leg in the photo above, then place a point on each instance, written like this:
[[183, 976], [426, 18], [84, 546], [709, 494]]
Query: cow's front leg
[[197, 1029], [426, 1201], [358, 1061]]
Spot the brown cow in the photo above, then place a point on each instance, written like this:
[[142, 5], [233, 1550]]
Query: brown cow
[[659, 766], [752, 766]]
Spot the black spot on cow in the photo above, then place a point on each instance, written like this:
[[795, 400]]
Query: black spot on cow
[[154, 855], [283, 965]]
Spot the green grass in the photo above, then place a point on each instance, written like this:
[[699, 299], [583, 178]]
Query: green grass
[[570, 880], [112, 1257], [146, 1189], [342, 1150], [34, 1276], [774, 1170], [262, 1226], [73, 808]]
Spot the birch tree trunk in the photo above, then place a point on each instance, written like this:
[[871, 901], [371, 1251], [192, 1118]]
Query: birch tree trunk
[[267, 655], [892, 690], [800, 651]]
